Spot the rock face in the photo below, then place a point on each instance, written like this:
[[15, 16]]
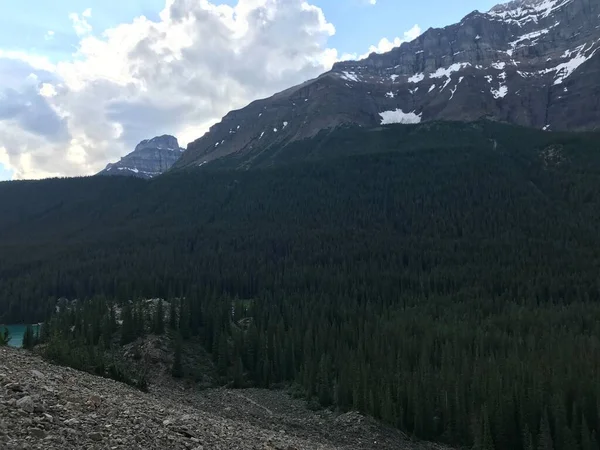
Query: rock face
[[151, 157], [529, 62], [64, 409]]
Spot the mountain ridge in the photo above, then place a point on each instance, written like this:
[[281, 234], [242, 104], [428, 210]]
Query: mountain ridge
[[530, 65]]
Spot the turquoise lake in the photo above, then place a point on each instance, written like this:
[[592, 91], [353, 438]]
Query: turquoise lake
[[16, 333]]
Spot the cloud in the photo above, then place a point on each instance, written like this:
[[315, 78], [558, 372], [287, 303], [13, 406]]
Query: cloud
[[177, 75], [384, 45], [80, 23]]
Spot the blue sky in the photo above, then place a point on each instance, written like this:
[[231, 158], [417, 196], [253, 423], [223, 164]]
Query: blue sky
[[358, 23], [38, 28]]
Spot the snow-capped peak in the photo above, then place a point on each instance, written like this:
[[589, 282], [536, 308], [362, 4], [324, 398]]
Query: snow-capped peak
[[519, 8]]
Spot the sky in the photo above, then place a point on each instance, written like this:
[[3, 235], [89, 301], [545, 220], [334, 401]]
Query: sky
[[82, 82]]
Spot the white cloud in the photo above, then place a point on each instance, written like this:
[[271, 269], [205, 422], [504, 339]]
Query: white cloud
[[384, 45], [178, 75], [80, 24]]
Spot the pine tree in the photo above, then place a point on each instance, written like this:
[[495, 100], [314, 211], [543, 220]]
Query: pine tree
[[238, 373], [488, 442], [159, 318], [223, 354], [545, 438], [172, 315], [5, 337], [527, 439], [594, 441], [177, 369], [128, 325], [28, 338], [586, 440]]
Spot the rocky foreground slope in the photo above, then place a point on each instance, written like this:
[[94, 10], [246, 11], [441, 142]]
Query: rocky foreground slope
[[528, 62], [48, 407]]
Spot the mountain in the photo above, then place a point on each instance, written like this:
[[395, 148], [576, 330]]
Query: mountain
[[151, 157], [415, 273], [528, 62]]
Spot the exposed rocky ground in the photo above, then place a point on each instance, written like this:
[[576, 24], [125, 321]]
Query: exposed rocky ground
[[43, 406]]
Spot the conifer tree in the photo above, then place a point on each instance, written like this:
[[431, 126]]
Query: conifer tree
[[545, 438], [172, 315], [527, 439], [28, 338], [177, 368], [128, 331], [159, 318], [5, 337]]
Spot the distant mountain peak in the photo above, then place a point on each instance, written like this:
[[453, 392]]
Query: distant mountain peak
[[166, 142], [150, 158]]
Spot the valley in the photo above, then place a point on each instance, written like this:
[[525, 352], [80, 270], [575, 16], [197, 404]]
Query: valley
[[399, 253], [427, 275]]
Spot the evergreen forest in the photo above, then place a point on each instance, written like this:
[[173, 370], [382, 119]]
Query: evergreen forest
[[442, 277]]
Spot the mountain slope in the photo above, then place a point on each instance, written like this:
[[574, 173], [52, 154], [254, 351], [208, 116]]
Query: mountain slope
[[530, 62], [151, 157], [416, 273], [58, 408]]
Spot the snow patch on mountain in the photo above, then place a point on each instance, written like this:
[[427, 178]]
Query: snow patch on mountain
[[349, 76], [521, 12], [500, 92], [447, 71], [399, 116], [416, 78]]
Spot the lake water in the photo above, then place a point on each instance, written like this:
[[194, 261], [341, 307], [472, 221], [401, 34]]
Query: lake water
[[16, 334]]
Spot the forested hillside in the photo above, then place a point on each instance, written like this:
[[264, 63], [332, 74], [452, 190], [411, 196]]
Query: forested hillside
[[441, 277]]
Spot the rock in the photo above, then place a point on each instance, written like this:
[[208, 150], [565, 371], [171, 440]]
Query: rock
[[169, 417], [94, 401], [26, 404], [36, 432], [37, 374], [95, 437]]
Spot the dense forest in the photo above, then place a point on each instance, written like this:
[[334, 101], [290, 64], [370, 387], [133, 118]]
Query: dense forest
[[441, 277]]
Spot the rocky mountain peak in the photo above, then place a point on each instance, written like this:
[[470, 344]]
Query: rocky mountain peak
[[150, 158], [528, 6], [164, 142], [528, 62]]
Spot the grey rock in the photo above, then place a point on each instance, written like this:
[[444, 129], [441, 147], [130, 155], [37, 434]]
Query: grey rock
[[26, 404], [126, 418], [95, 436], [36, 432], [37, 374], [529, 62], [150, 158]]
